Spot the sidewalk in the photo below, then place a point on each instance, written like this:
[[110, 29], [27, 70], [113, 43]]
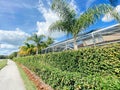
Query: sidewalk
[[10, 78]]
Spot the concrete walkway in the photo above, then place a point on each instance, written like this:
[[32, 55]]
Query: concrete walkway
[[10, 78]]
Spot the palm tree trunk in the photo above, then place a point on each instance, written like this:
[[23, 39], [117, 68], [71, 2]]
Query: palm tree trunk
[[75, 43], [37, 51]]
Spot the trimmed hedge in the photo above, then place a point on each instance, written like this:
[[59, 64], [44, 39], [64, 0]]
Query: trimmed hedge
[[63, 80], [88, 68]]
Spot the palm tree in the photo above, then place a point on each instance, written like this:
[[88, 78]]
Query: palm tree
[[69, 21], [27, 49], [30, 48], [49, 41], [38, 40], [23, 51]]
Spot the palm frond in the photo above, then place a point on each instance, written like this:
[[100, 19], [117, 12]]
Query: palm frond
[[91, 16], [49, 41], [63, 9], [59, 25]]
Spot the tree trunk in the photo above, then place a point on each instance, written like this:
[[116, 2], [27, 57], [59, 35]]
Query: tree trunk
[[75, 43], [37, 51]]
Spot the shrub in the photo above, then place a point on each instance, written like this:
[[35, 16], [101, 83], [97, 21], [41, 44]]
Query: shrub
[[95, 68]]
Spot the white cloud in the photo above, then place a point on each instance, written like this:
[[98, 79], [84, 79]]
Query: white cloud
[[89, 2], [7, 51], [11, 40], [7, 46], [117, 8], [73, 5], [49, 17], [13, 37], [108, 17]]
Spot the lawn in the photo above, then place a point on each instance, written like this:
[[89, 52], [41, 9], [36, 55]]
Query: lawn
[[3, 63]]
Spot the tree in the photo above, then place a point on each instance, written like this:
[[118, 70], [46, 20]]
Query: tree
[[27, 49], [38, 40], [49, 41], [13, 55], [3, 57], [71, 23]]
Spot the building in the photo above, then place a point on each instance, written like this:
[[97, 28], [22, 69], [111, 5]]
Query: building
[[96, 37]]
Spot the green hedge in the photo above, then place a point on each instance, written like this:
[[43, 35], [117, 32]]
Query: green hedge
[[63, 80], [86, 60], [88, 68]]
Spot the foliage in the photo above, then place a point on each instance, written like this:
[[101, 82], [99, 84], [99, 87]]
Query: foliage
[[40, 41], [49, 41], [96, 68], [27, 49], [13, 55], [70, 22], [3, 57]]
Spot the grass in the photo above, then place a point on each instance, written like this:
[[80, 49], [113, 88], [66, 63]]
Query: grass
[[29, 85], [3, 63]]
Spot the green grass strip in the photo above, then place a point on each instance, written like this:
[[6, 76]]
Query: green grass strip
[[3, 63], [29, 85]]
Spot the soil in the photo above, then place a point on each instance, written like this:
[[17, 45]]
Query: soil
[[36, 80]]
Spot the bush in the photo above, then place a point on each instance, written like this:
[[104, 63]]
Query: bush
[[95, 68]]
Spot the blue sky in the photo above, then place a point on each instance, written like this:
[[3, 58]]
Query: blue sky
[[21, 18]]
